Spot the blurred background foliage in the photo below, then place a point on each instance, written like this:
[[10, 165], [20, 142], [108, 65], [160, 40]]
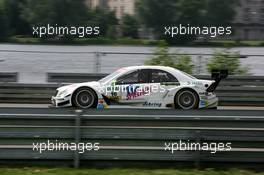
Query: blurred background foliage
[[163, 57], [227, 59], [220, 60], [18, 16], [156, 14]]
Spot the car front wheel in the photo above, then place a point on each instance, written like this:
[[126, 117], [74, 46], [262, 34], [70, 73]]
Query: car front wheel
[[186, 99], [84, 98]]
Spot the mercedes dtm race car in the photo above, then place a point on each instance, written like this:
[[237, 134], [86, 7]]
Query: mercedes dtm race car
[[142, 86]]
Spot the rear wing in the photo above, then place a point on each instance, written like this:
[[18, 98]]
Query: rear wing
[[217, 75]]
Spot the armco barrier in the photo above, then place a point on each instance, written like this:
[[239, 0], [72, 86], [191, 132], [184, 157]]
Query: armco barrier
[[72, 77], [240, 90], [26, 93], [235, 90], [79, 78], [8, 76], [132, 136]]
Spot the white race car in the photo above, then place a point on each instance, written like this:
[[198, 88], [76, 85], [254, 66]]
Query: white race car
[[142, 86]]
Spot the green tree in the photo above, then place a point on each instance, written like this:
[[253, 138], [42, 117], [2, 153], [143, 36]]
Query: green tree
[[220, 13], [3, 22], [157, 14], [229, 60], [106, 20], [61, 12], [162, 57], [68, 13], [16, 25], [129, 26]]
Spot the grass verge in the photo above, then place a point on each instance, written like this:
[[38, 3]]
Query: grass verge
[[119, 171]]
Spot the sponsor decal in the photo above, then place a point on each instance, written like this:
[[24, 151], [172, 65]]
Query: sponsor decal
[[114, 97], [135, 91], [101, 104], [195, 83], [203, 103], [203, 98], [149, 104], [170, 84]]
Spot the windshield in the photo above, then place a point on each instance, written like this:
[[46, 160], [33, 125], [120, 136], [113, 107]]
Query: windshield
[[110, 76]]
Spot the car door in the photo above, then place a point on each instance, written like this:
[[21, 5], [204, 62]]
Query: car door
[[133, 86], [161, 82]]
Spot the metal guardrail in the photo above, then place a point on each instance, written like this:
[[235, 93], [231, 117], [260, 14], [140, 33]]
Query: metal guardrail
[[137, 135], [240, 90], [73, 77], [79, 78], [8, 77], [26, 93], [235, 90]]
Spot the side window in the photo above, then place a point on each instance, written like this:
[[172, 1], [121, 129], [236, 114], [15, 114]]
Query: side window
[[160, 76], [128, 78], [136, 77], [144, 75]]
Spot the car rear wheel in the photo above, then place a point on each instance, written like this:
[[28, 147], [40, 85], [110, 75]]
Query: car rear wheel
[[84, 98], [186, 99]]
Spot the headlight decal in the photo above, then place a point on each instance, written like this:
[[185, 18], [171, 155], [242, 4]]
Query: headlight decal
[[62, 93]]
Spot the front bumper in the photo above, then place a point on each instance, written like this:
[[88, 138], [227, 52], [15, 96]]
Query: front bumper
[[61, 102]]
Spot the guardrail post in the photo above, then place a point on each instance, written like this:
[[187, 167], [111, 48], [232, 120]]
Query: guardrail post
[[77, 137], [97, 62], [198, 152], [199, 65]]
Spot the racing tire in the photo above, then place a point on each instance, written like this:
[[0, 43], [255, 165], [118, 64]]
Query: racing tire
[[84, 98], [186, 99]]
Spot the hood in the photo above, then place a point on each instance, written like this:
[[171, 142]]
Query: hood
[[72, 87]]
